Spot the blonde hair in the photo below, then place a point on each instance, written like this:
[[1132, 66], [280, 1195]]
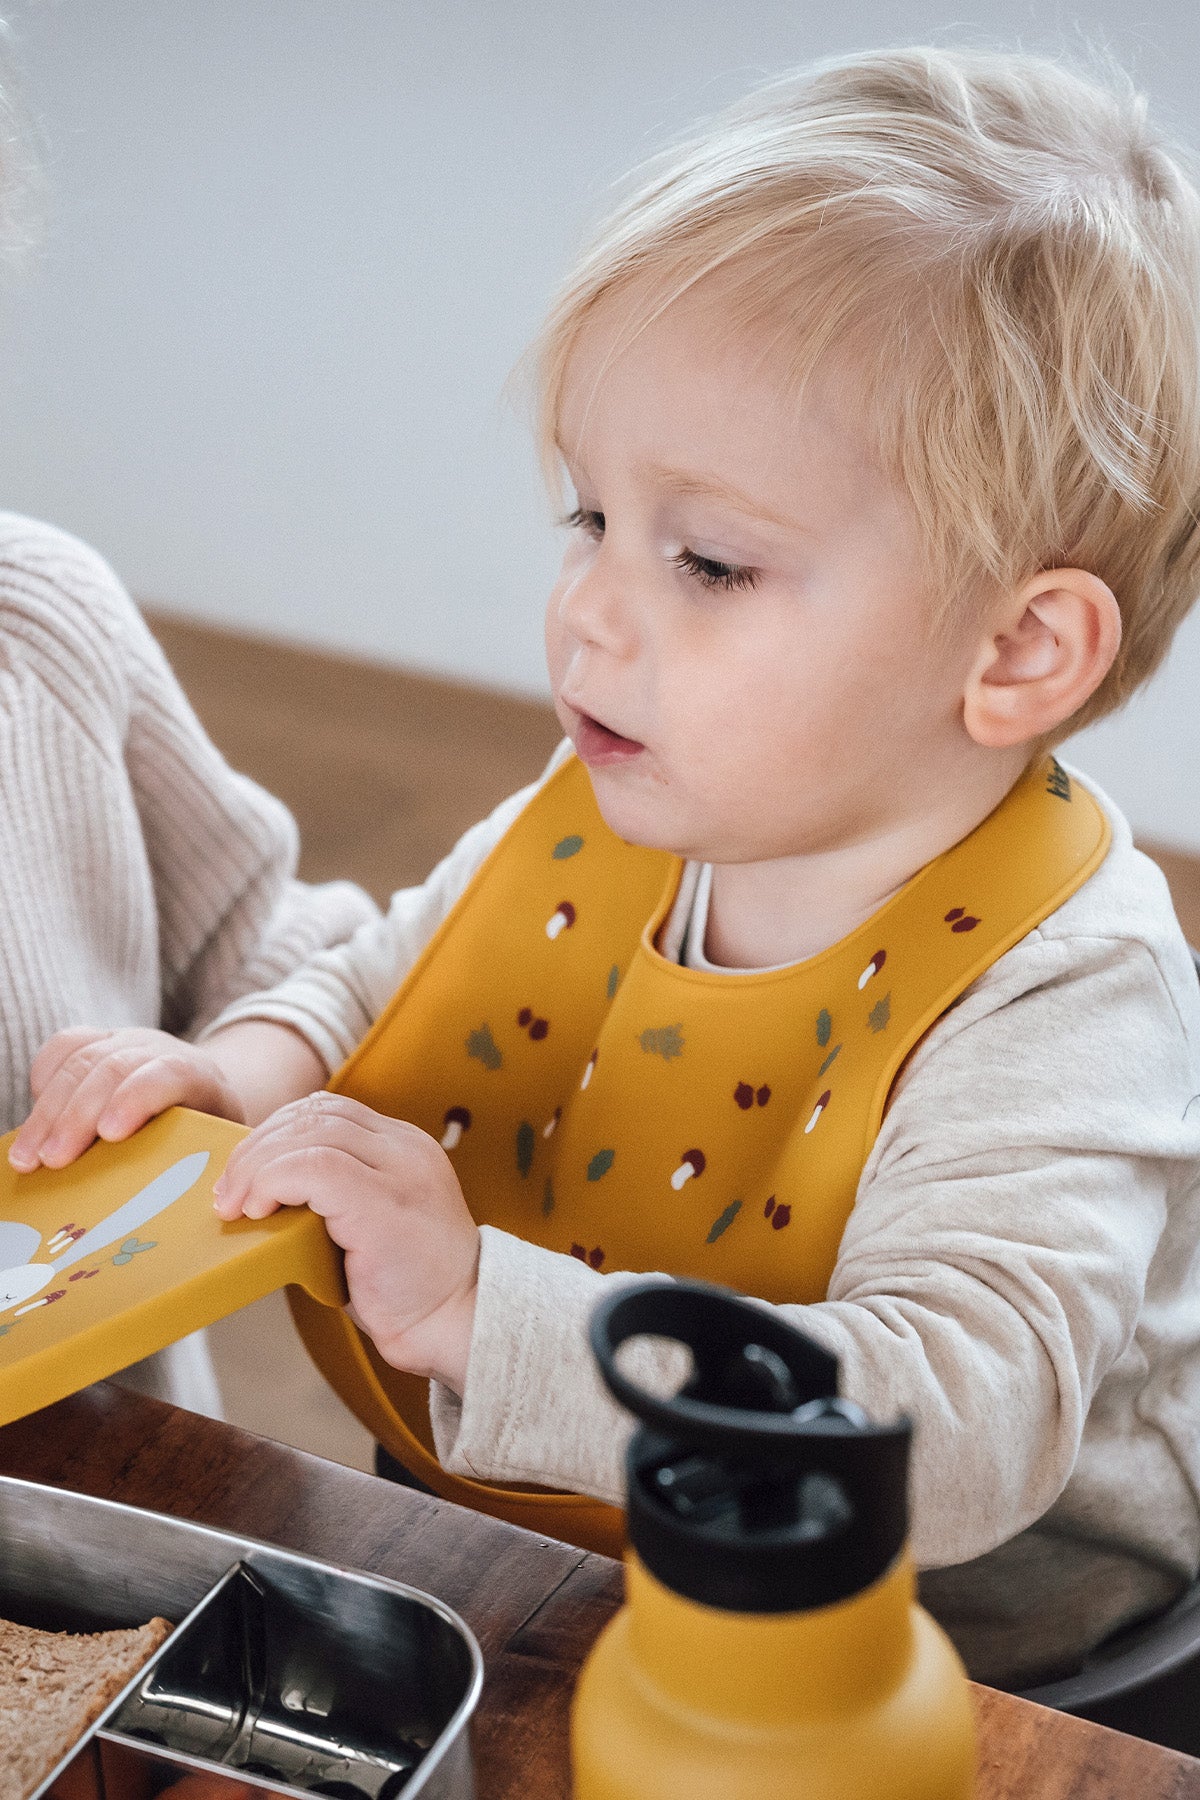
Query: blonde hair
[[1009, 258]]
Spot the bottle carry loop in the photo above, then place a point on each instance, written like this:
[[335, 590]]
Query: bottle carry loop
[[754, 1488]]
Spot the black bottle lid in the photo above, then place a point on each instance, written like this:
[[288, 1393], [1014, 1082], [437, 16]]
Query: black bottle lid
[[754, 1488]]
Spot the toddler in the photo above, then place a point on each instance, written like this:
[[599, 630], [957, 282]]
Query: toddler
[[805, 968]]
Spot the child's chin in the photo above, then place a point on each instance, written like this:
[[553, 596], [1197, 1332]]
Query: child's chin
[[636, 809]]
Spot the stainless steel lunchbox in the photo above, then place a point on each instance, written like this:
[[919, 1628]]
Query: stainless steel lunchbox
[[283, 1676]]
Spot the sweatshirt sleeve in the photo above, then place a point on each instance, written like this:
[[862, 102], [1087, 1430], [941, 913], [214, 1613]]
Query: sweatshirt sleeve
[[334, 998], [990, 1276]]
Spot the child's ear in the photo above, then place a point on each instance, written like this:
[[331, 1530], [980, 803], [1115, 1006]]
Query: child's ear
[[1046, 655]]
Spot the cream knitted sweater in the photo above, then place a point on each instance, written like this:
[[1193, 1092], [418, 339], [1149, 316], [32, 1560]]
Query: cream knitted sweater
[[144, 882]]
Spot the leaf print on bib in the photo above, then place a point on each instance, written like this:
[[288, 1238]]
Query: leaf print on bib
[[824, 1027], [666, 1041], [484, 1048], [566, 847], [614, 978], [722, 1223], [880, 1013], [600, 1164], [525, 1144]]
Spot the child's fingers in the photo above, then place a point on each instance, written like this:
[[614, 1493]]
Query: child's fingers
[[323, 1151], [318, 1165], [318, 1121], [327, 1141], [312, 1175], [313, 1118]]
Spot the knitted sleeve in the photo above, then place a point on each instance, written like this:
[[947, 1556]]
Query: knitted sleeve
[[232, 918], [221, 852]]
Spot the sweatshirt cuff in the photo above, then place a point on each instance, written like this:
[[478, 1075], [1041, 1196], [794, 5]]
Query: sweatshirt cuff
[[534, 1407]]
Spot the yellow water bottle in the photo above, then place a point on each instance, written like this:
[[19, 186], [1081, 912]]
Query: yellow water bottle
[[771, 1644]]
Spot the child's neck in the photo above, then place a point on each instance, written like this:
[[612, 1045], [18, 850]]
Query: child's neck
[[763, 914]]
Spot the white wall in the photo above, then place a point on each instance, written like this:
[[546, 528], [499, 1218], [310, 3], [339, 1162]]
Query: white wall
[[294, 247]]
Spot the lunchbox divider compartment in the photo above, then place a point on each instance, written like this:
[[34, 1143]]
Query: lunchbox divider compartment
[[289, 1674], [84, 1744], [220, 1631]]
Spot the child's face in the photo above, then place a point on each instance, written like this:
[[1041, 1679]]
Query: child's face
[[739, 640]]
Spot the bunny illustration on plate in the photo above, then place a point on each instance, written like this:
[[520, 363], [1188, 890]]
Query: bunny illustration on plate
[[22, 1279]]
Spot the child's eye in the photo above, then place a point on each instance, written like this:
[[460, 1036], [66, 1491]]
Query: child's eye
[[583, 520], [715, 574]]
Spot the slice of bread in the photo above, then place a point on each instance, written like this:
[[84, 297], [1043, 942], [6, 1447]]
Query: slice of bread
[[53, 1684]]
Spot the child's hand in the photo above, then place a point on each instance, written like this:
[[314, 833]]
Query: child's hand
[[88, 1084], [391, 1199]]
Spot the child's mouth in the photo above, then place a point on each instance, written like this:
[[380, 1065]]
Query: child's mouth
[[597, 745]]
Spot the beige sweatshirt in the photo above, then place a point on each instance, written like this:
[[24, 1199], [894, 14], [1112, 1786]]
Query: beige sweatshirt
[[1020, 1273]]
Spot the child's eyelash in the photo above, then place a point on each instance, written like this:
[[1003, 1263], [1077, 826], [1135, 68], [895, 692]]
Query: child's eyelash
[[715, 574], [706, 569], [583, 520]]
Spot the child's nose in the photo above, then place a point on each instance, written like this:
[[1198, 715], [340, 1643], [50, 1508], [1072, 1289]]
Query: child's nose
[[598, 607]]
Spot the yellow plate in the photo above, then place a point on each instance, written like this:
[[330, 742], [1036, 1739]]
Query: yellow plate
[[120, 1254]]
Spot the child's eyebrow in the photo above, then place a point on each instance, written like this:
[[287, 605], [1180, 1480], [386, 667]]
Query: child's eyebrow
[[689, 484]]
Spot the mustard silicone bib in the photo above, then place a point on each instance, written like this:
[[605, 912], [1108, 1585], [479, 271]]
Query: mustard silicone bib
[[605, 1103]]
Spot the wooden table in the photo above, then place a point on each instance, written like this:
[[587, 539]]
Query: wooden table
[[534, 1604]]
